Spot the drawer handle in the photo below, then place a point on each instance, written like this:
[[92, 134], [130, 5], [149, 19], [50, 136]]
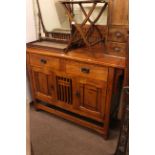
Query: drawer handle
[[43, 61], [117, 49], [85, 70], [118, 34]]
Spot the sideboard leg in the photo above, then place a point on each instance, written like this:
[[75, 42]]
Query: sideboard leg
[[35, 103], [106, 136]]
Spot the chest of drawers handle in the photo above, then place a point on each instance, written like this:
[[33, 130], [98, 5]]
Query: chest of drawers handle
[[85, 70], [43, 61], [118, 34], [117, 49]]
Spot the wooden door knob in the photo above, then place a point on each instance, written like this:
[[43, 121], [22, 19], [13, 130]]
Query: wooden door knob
[[118, 34], [85, 70], [117, 49]]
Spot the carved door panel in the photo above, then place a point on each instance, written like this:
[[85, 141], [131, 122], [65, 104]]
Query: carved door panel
[[91, 96], [43, 84]]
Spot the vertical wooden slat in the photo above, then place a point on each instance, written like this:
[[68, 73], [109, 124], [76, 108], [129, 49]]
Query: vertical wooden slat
[[49, 84], [81, 95], [63, 86], [57, 88], [70, 91], [67, 94], [60, 90], [64, 89], [62, 93]]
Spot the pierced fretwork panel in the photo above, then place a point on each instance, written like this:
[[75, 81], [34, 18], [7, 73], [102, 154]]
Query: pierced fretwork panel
[[64, 89]]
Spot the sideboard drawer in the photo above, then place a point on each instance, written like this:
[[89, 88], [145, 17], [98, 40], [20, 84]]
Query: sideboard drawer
[[118, 34], [117, 49], [87, 70], [44, 61]]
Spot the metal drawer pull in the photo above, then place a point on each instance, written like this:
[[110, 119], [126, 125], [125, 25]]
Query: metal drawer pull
[[118, 34], [43, 61], [117, 49], [85, 70]]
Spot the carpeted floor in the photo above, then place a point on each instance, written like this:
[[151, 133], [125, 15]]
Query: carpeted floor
[[51, 135]]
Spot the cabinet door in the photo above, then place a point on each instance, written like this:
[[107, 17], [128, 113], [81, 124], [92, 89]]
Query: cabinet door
[[118, 12], [42, 80], [91, 96]]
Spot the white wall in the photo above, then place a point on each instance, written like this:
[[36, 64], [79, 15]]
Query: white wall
[[49, 14], [30, 23], [30, 36]]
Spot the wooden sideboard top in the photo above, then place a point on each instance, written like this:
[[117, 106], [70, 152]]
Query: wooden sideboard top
[[93, 56]]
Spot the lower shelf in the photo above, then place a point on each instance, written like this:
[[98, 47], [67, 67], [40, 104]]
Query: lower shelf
[[86, 122]]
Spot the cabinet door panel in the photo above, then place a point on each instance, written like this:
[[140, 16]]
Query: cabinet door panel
[[91, 98], [43, 84]]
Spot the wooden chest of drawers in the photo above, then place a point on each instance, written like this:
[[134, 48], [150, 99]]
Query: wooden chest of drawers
[[117, 40], [77, 88]]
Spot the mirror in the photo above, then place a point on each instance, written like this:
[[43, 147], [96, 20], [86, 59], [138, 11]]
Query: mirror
[[53, 15]]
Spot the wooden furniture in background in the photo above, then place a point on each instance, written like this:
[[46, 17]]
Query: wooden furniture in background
[[117, 27], [83, 37], [123, 142]]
